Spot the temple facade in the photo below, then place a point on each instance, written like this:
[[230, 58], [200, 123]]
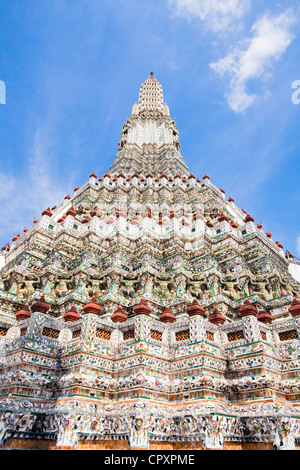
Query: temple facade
[[148, 311]]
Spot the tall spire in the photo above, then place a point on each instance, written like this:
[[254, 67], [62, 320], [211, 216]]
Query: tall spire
[[151, 97], [150, 138]]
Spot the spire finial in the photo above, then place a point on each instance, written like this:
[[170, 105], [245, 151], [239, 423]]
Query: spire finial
[[152, 74]]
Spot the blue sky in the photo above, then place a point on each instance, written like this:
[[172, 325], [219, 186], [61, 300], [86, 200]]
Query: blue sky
[[72, 71]]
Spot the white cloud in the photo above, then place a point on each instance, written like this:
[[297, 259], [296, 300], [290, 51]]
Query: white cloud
[[254, 57], [218, 16], [25, 196]]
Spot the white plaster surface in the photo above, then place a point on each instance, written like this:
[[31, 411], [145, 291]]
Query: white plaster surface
[[294, 269]]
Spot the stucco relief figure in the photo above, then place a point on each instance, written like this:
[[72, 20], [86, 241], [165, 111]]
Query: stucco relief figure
[[195, 289], [128, 286], [261, 287], [93, 287], [206, 289], [61, 288], [103, 286], [212, 213], [4, 280], [286, 287], [163, 288], [231, 287], [296, 289], [27, 288]]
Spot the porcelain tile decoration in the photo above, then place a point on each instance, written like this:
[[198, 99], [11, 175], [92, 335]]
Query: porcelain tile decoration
[[147, 311]]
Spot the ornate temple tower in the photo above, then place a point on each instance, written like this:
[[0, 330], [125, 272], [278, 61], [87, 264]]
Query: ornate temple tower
[[148, 311], [150, 138]]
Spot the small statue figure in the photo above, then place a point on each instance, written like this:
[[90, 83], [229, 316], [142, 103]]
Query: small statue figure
[[196, 289], [93, 287], [286, 285], [260, 287], [296, 289], [27, 289], [62, 288], [162, 288], [128, 288], [103, 286], [231, 286]]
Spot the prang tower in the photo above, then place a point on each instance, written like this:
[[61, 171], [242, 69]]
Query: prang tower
[[150, 138], [147, 311]]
